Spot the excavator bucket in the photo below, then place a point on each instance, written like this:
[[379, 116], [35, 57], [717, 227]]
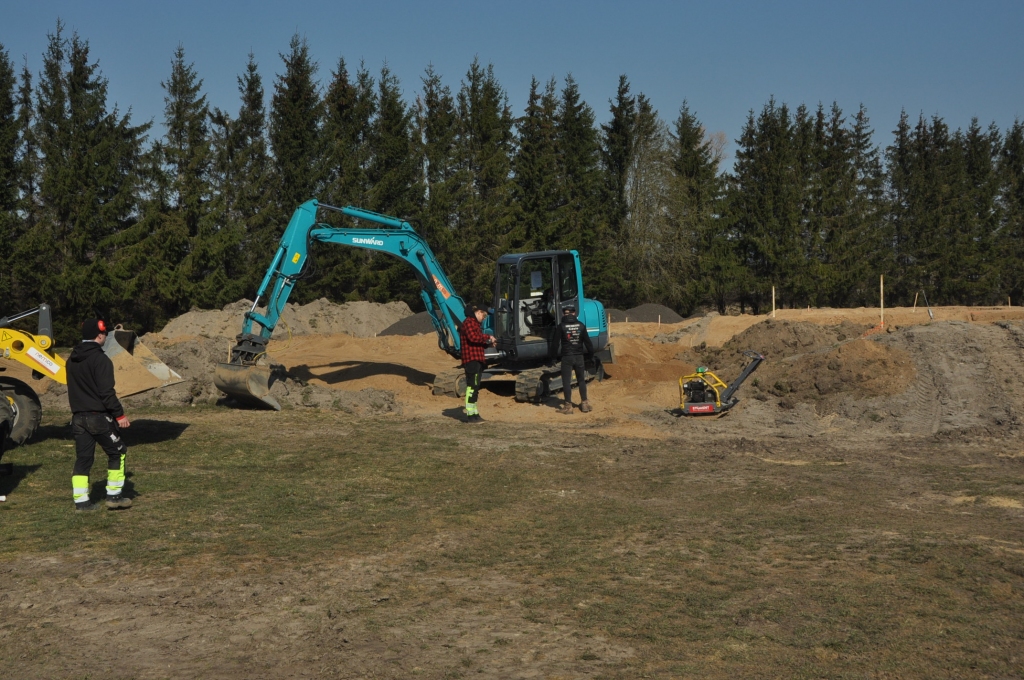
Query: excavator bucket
[[248, 384], [136, 368]]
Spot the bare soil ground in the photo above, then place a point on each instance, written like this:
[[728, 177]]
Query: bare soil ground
[[858, 514]]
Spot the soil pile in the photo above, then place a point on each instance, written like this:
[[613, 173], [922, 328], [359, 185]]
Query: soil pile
[[650, 313], [361, 319], [781, 339], [614, 315], [196, 358], [411, 325]]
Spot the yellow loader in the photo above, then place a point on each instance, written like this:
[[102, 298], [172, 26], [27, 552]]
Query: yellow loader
[[26, 359]]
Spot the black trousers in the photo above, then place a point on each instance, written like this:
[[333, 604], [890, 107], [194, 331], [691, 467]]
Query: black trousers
[[474, 369], [90, 429], [570, 363]]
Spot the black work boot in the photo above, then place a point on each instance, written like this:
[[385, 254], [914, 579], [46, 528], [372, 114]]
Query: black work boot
[[118, 502], [85, 506]]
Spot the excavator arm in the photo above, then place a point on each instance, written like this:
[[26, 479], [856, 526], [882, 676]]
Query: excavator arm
[[246, 376]]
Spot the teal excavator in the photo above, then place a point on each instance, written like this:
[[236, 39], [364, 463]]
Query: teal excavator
[[530, 290]]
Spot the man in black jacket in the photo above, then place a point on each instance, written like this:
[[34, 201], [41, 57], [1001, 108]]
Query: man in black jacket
[[575, 345], [97, 417]]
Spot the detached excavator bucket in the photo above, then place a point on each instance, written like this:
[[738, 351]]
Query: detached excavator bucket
[[248, 384], [136, 368]]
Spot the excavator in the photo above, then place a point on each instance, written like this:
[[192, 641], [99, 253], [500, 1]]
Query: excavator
[[530, 290]]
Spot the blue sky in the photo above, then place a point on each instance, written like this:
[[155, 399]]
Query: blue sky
[[954, 59]]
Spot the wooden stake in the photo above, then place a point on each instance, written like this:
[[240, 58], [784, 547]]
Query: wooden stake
[[881, 297], [659, 322], [773, 302], [915, 302]]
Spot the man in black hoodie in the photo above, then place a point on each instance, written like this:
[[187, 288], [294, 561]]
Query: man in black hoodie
[[97, 417], [575, 343]]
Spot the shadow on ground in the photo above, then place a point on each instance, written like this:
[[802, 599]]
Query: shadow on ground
[[152, 432], [356, 370], [9, 481]]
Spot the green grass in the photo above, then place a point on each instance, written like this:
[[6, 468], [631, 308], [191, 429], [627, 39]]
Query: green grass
[[706, 561]]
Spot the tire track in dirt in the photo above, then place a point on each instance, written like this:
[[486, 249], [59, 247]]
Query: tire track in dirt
[[963, 370]]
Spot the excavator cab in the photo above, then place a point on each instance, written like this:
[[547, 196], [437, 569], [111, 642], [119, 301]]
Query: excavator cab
[[531, 291]]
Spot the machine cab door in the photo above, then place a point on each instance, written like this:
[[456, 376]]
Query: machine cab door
[[526, 314], [568, 283]]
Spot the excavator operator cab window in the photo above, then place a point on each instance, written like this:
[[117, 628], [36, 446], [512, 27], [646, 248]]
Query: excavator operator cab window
[[536, 300], [504, 312], [567, 287]]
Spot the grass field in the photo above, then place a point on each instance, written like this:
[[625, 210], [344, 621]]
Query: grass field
[[321, 545]]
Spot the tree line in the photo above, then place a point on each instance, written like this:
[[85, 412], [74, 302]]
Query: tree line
[[100, 215]]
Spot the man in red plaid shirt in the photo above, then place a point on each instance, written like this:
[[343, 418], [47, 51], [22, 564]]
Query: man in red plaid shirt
[[474, 341]]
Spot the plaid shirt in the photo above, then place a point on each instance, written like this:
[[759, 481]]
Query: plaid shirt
[[473, 340]]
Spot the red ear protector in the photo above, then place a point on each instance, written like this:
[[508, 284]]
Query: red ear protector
[[102, 326]]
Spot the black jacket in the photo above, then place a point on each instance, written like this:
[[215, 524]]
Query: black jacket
[[573, 337], [91, 381]]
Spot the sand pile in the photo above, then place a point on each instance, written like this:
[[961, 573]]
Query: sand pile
[[361, 319], [410, 325], [196, 357], [780, 339]]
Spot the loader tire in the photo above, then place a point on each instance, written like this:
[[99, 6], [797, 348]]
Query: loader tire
[[451, 383], [27, 412]]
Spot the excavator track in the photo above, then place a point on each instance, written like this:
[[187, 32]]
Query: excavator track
[[532, 385], [450, 383]]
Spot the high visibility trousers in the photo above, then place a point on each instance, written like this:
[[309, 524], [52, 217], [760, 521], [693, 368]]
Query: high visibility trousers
[[90, 429], [474, 369]]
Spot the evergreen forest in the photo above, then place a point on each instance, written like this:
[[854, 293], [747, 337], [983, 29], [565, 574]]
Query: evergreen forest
[[140, 222]]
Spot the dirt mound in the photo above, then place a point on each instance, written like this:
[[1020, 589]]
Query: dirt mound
[[196, 357], [858, 369], [410, 325], [361, 319], [651, 313], [614, 315], [780, 339], [967, 384]]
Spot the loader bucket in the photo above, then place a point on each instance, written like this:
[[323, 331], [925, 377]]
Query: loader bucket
[[248, 384], [136, 368]]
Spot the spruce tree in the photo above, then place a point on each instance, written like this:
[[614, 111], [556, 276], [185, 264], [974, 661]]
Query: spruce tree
[[865, 251], [485, 219], [188, 159], [88, 188], [898, 229], [977, 270], [435, 122], [349, 109], [764, 207], [395, 187], [1011, 234], [616, 153], [9, 176], [248, 224], [580, 220], [712, 266], [536, 169], [295, 129]]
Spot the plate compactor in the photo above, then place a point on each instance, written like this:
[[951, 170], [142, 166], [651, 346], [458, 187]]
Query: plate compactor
[[704, 394]]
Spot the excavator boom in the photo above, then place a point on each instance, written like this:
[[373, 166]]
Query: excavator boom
[[247, 376]]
